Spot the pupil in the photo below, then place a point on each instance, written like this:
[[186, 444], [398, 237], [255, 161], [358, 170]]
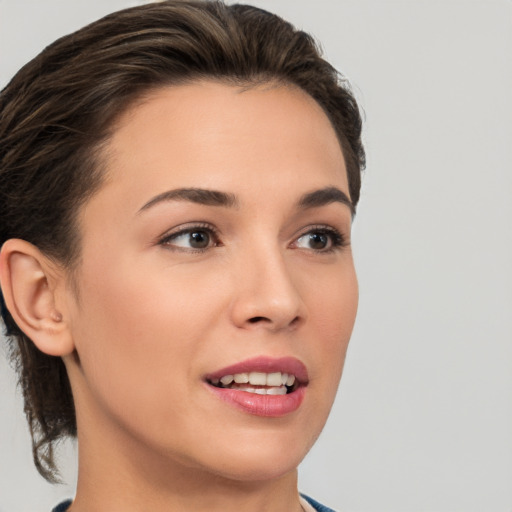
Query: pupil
[[199, 239], [318, 241]]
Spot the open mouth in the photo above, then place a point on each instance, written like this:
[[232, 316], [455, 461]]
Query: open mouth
[[262, 386], [260, 383]]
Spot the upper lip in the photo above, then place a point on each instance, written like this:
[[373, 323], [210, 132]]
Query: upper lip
[[264, 364]]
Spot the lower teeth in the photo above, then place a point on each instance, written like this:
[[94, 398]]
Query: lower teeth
[[265, 391], [281, 390]]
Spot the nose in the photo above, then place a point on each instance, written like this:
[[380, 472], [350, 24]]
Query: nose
[[266, 294]]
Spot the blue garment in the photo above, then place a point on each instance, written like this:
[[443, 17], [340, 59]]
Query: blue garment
[[62, 507], [317, 506]]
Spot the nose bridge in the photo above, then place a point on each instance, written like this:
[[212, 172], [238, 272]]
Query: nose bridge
[[267, 294]]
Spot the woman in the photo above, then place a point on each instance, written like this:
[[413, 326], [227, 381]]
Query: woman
[[177, 187]]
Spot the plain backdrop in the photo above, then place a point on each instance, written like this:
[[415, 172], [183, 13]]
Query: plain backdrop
[[423, 419]]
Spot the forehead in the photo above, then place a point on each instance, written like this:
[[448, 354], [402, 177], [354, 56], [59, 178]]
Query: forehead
[[210, 134]]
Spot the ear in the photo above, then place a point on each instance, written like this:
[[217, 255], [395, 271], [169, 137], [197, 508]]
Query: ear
[[30, 282]]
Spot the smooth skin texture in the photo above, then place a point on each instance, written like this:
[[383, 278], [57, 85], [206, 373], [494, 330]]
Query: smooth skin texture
[[169, 290]]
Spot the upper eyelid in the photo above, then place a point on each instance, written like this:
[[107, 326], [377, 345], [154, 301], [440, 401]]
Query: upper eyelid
[[187, 228], [190, 226], [319, 227]]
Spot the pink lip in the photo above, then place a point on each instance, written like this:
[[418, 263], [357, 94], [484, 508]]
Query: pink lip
[[273, 406]]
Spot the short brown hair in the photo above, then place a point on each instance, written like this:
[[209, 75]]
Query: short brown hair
[[60, 108]]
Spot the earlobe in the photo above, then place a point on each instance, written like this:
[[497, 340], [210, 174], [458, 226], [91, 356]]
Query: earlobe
[[29, 285]]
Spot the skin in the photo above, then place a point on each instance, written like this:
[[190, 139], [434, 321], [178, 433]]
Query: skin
[[153, 316]]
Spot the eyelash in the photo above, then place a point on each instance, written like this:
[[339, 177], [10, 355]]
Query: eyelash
[[337, 239]]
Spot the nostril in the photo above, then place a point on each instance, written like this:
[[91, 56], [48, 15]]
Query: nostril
[[264, 319], [256, 319]]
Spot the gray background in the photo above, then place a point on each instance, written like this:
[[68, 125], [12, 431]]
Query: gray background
[[423, 420]]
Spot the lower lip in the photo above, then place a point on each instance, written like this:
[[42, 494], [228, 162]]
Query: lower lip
[[272, 406]]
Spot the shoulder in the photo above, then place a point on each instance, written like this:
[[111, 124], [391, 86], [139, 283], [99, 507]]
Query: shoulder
[[317, 506]]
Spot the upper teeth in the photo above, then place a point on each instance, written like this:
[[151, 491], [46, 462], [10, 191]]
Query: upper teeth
[[258, 379]]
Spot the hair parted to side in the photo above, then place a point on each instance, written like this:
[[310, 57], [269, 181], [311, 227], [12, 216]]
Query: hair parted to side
[[57, 114]]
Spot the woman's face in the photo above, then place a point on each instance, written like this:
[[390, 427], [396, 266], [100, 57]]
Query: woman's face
[[218, 246]]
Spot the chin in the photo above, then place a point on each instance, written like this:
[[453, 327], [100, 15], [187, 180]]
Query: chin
[[261, 456], [259, 469]]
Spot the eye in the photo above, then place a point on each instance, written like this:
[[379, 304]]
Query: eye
[[317, 241], [195, 238], [320, 240]]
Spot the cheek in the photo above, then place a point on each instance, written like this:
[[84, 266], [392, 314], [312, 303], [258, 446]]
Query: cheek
[[332, 316], [144, 306], [333, 304], [137, 335]]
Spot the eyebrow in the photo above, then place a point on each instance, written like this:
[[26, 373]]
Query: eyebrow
[[194, 195], [314, 199], [325, 196]]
